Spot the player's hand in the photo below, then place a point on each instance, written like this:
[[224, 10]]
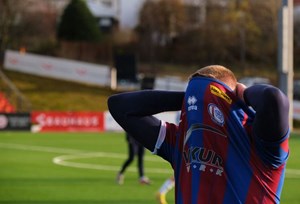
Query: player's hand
[[239, 90]]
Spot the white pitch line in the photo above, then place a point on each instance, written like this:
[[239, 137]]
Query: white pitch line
[[39, 148], [64, 160], [77, 154], [70, 151], [292, 173]]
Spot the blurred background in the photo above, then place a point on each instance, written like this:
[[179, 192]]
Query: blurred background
[[149, 43], [60, 60], [187, 33], [143, 44]]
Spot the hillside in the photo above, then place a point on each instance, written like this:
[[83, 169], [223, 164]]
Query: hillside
[[57, 95]]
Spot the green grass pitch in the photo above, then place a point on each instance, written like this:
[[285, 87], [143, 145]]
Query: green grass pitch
[[80, 168]]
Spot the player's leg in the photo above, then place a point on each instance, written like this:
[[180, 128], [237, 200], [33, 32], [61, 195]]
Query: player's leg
[[120, 175], [141, 152]]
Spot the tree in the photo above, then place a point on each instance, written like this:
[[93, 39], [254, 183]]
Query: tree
[[78, 24], [9, 11], [160, 22], [238, 32]]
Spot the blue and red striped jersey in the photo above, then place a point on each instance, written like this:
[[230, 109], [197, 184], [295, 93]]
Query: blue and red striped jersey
[[216, 156]]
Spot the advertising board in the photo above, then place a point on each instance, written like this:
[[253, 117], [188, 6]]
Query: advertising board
[[15, 121], [67, 121]]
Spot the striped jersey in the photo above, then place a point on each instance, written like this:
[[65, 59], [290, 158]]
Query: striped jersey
[[215, 155]]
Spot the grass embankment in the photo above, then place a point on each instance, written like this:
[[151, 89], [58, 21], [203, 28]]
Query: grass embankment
[[56, 95]]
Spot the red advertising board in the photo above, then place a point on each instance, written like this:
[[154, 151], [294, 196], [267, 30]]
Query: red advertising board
[[67, 121]]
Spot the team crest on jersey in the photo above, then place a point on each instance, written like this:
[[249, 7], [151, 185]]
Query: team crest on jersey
[[192, 100], [216, 114], [218, 92]]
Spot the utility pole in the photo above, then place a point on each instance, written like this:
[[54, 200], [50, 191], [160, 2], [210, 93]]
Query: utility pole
[[285, 52]]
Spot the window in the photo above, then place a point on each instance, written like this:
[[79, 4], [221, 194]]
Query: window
[[107, 3]]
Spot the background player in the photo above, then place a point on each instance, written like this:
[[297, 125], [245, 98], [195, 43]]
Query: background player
[[134, 148]]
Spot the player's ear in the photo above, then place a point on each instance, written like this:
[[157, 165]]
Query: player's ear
[[239, 90]]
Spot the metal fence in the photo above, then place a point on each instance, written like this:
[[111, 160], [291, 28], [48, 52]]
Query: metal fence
[[15, 97]]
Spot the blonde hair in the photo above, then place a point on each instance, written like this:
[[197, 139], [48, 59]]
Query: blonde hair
[[218, 72]]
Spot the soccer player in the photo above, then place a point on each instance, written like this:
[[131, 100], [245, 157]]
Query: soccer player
[[231, 145], [134, 148]]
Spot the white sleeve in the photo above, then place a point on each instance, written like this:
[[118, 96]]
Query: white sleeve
[[161, 137]]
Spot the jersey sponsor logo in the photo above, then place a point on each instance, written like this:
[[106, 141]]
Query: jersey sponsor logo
[[216, 114], [204, 160], [192, 100], [218, 92]]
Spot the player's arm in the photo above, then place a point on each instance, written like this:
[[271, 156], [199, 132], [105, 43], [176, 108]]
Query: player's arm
[[272, 111], [134, 110]]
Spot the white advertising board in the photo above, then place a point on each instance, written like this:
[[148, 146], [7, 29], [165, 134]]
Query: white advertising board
[[52, 67], [111, 125], [170, 84]]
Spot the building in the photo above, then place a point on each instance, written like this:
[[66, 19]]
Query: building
[[108, 12]]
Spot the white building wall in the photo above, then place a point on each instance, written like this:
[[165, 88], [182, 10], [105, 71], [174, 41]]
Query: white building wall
[[127, 11]]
